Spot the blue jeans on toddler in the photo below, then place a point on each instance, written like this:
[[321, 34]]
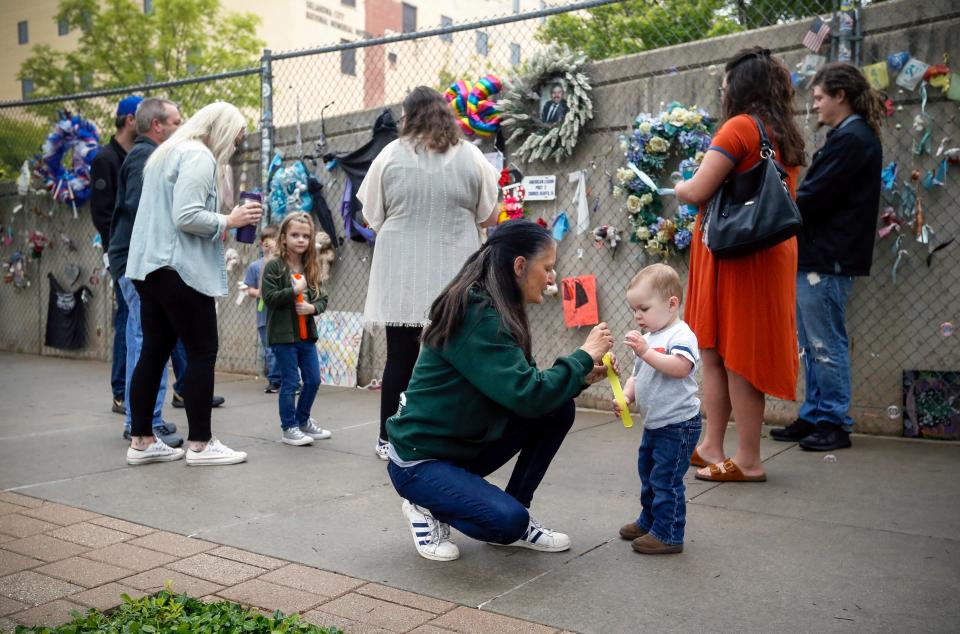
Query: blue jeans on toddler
[[297, 361], [664, 459], [273, 372], [458, 494]]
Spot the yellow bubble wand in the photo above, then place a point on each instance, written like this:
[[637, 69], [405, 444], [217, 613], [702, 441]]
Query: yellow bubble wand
[[617, 391]]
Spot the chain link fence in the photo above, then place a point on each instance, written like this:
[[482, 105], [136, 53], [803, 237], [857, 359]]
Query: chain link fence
[[325, 101]]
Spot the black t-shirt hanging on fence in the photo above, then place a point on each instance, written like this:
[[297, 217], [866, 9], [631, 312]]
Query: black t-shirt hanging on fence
[[66, 316]]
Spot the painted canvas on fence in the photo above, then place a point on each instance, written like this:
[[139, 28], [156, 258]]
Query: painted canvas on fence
[[931, 404], [338, 345]]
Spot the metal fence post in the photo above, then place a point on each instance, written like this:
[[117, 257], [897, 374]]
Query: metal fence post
[[266, 119]]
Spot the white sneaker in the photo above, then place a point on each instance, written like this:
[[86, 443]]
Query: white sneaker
[[381, 449], [215, 453], [293, 436], [543, 539], [157, 451], [432, 538], [310, 428]]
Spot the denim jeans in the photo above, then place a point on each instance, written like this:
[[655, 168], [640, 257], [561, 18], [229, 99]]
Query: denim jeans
[[297, 361], [118, 369], [178, 361], [459, 495], [663, 460], [824, 347], [273, 373], [134, 335]]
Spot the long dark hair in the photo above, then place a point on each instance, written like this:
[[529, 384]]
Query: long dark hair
[[864, 100], [490, 269], [759, 84], [428, 120]]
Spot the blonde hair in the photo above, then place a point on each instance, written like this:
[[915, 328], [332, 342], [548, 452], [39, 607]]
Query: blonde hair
[[216, 125], [663, 278], [311, 266]]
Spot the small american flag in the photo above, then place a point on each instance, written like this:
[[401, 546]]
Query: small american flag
[[815, 36]]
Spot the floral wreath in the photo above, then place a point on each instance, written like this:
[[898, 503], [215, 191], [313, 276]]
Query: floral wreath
[[520, 104], [647, 150], [71, 133]]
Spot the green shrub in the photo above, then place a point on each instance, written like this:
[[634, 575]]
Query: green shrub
[[167, 613]]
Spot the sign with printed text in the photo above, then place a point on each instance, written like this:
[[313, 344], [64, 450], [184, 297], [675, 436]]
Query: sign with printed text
[[912, 73], [876, 75], [540, 187]]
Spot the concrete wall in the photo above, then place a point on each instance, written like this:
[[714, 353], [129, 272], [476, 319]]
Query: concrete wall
[[892, 327]]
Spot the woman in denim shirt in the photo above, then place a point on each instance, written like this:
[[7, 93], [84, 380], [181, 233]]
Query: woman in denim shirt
[[176, 263]]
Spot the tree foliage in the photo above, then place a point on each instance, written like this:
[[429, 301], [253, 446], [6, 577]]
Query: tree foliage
[[121, 46], [640, 25]]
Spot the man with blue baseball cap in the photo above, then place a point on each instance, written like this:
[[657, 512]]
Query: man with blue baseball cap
[[103, 174]]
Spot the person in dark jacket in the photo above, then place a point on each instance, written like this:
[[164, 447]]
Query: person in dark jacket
[[476, 399], [103, 174], [839, 201], [156, 120]]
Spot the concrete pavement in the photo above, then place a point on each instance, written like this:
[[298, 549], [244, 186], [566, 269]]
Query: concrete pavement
[[866, 543]]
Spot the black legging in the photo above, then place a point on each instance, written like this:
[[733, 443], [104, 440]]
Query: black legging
[[169, 309], [403, 346]]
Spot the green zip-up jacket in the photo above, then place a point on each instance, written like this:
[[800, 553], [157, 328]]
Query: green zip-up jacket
[[460, 396], [283, 325]]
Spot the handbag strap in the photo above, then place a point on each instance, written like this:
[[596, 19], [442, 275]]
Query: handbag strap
[[766, 148]]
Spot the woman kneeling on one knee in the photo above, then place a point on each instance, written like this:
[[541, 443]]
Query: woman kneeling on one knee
[[476, 399]]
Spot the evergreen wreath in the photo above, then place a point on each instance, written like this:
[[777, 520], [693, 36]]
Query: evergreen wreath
[[653, 140], [520, 106]]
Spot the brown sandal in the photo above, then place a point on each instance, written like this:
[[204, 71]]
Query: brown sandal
[[697, 461], [728, 471]]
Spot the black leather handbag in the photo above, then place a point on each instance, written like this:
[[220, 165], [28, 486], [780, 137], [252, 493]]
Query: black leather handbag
[[753, 210]]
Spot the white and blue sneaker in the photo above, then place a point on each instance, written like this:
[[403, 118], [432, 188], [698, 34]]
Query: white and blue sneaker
[[432, 538], [540, 538], [311, 429]]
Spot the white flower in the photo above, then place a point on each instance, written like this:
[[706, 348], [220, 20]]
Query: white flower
[[645, 127], [617, 190], [646, 199], [633, 204], [658, 145], [643, 232], [624, 175]]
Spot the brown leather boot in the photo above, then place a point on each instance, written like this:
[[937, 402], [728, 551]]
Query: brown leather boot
[[650, 545], [631, 531]]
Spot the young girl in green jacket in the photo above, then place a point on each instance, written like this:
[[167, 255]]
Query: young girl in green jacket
[[292, 294]]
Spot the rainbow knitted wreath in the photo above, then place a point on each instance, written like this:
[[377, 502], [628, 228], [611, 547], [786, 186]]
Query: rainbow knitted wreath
[[79, 137], [476, 112]]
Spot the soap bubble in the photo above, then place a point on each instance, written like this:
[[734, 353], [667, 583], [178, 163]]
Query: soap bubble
[[946, 329], [713, 70], [676, 178], [829, 458], [893, 412]]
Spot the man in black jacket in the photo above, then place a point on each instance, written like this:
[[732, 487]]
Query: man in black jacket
[[839, 201], [103, 174]]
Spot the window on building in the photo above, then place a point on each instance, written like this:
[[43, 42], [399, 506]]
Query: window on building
[[483, 47], [23, 35], [63, 27], [348, 60], [514, 54], [348, 3], [409, 18], [444, 22], [26, 87], [147, 7]]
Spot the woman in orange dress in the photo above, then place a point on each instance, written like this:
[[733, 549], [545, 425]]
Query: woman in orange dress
[[743, 310]]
